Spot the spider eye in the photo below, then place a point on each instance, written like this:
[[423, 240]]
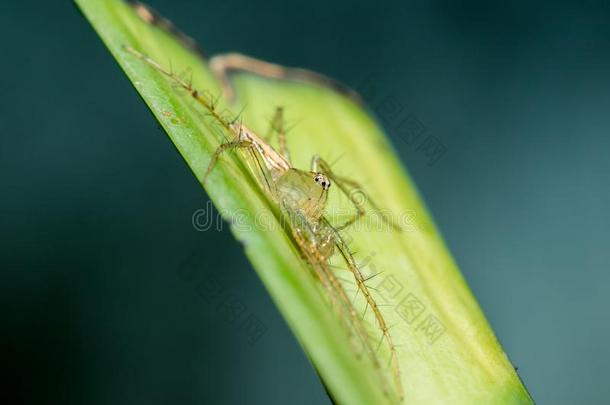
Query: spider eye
[[322, 180]]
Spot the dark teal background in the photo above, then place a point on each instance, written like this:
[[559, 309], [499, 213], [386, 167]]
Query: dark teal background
[[96, 204]]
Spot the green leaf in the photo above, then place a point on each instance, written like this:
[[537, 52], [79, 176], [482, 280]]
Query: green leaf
[[447, 350]]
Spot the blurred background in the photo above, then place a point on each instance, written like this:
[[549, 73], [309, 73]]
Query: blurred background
[[96, 302]]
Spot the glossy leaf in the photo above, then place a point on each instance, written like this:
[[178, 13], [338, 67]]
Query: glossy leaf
[[448, 352]]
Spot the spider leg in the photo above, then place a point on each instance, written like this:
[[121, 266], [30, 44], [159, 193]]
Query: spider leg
[[277, 126], [349, 259]]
